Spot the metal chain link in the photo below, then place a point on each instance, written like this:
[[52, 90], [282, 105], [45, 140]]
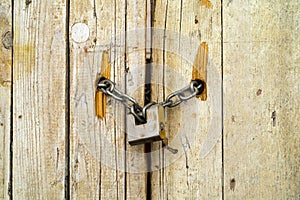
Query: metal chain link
[[107, 86]]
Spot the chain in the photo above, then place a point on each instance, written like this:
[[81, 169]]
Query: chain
[[107, 86]]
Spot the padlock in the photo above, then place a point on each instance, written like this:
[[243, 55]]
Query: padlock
[[153, 130]]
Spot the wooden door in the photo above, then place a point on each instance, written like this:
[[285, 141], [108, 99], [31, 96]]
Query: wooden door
[[241, 143]]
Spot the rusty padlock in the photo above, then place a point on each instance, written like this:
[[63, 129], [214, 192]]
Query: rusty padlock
[[152, 130]]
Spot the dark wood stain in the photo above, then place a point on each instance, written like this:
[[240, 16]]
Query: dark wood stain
[[27, 2]]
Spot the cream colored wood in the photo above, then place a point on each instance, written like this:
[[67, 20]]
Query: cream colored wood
[[252, 94], [187, 175], [39, 104], [5, 96], [91, 179], [261, 99], [135, 80], [99, 153]]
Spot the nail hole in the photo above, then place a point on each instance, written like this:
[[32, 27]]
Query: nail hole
[[196, 20], [274, 117], [258, 92], [232, 184]]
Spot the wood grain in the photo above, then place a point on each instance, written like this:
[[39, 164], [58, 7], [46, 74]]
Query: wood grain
[[39, 77], [89, 179], [5, 96], [185, 175], [261, 99], [101, 164], [136, 163], [254, 44]]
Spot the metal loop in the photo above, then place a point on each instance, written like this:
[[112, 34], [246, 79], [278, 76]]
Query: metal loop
[[101, 85], [108, 87], [166, 104], [144, 111], [103, 90], [128, 101], [199, 85], [109, 84], [173, 103], [140, 118], [116, 97], [185, 98]]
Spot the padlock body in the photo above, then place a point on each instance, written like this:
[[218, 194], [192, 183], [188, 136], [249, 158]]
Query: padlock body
[[149, 132]]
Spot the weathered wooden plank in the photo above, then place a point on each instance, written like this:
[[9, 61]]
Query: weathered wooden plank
[[5, 95], [99, 153], [261, 99], [136, 163], [158, 178], [195, 171], [92, 28], [39, 57]]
